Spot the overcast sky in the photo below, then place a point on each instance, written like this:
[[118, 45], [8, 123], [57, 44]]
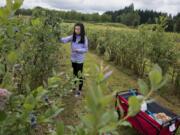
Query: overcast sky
[[169, 6]]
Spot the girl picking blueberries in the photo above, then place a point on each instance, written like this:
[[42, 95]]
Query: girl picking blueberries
[[79, 47]]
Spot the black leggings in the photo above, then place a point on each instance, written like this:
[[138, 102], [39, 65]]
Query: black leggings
[[78, 67]]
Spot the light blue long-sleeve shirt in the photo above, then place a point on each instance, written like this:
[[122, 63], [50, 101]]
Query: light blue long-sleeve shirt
[[77, 56]]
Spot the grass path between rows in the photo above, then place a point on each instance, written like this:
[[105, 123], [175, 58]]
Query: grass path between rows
[[118, 81]]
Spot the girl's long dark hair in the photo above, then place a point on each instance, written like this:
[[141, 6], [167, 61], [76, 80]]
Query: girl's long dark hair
[[82, 34]]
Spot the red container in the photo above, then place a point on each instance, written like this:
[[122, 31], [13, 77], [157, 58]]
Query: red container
[[143, 122]]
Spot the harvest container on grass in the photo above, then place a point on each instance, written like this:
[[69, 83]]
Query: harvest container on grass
[[145, 122]]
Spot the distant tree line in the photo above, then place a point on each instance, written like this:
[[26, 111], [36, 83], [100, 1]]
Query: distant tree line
[[128, 16]]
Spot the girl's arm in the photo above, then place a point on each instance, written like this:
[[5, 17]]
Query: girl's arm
[[66, 39], [85, 48]]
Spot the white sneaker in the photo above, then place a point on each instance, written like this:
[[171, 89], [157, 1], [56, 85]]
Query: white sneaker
[[78, 93]]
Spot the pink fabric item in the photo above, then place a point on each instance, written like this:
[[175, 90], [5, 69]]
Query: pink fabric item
[[4, 92]]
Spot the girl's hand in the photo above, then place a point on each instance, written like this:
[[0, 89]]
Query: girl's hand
[[76, 50]]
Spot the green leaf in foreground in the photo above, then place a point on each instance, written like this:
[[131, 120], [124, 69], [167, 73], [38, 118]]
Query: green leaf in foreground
[[2, 115], [155, 76], [143, 87], [134, 105]]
